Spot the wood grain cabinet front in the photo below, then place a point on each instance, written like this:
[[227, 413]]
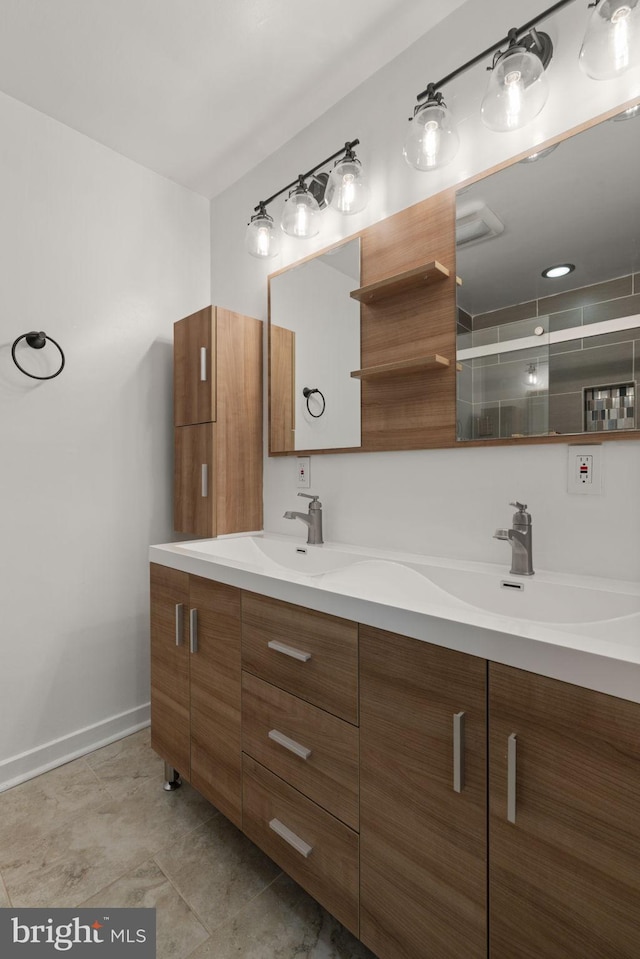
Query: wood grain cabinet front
[[564, 820], [315, 752], [312, 846], [196, 684], [423, 857], [218, 423], [312, 655]]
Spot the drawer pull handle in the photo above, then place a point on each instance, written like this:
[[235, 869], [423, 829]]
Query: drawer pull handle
[[193, 629], [511, 777], [458, 752], [203, 364], [289, 744], [179, 623], [204, 480], [290, 837], [298, 654]]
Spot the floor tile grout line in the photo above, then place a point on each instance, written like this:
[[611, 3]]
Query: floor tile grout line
[[6, 891]]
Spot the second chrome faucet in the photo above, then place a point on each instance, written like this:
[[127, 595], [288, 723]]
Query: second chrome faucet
[[312, 519], [520, 538]]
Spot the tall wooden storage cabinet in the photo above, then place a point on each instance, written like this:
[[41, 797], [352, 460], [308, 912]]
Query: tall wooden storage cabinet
[[217, 399]]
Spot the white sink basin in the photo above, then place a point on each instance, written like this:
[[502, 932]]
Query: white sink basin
[[274, 555]]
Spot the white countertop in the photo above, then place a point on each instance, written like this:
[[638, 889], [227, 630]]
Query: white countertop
[[603, 655]]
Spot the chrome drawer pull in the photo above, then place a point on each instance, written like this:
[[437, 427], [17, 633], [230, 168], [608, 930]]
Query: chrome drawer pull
[[289, 651], [290, 837], [511, 777], [193, 623], [289, 744], [458, 752], [204, 479], [179, 623], [203, 364]]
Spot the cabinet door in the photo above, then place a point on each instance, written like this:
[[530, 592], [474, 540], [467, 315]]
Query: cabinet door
[[423, 863], [564, 877], [194, 486], [194, 369], [216, 767], [170, 667]]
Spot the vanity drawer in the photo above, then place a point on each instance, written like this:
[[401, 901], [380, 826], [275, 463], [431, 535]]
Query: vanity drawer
[[310, 654], [313, 847], [309, 748]]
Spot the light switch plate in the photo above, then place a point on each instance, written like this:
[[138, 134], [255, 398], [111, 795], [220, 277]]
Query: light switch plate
[[584, 469], [303, 470]]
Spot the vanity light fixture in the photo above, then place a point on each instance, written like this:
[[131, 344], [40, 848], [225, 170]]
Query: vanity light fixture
[[560, 269], [344, 188], [532, 375], [518, 86], [611, 43]]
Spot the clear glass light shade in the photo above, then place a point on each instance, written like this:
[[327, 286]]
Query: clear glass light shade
[[612, 41], [347, 189], [262, 239], [517, 91], [433, 140], [301, 214]]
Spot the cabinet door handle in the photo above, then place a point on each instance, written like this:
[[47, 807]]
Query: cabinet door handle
[[179, 623], [203, 364], [511, 777], [204, 480], [289, 744], [458, 752], [193, 630], [291, 651], [290, 837]]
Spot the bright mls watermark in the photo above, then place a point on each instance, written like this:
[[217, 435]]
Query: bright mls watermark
[[79, 933]]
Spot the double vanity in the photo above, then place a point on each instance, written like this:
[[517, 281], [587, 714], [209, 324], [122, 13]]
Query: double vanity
[[445, 755]]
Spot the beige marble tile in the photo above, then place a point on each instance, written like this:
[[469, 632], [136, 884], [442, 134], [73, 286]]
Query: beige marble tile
[[127, 765], [4, 895], [281, 923], [217, 870], [90, 851], [34, 809], [178, 931]]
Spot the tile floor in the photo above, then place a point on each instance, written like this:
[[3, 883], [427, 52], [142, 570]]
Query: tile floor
[[101, 831]]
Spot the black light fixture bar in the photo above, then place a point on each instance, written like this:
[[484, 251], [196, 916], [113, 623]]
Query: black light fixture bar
[[429, 92], [304, 176]]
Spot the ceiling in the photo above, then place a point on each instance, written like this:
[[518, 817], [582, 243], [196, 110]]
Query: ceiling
[[199, 91]]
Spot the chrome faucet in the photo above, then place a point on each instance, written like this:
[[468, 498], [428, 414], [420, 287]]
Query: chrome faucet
[[313, 519], [520, 538]]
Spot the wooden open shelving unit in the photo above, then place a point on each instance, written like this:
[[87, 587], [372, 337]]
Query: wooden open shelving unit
[[401, 282], [419, 364]]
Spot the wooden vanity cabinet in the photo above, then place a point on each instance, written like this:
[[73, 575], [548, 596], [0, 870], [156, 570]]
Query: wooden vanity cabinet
[[218, 423], [196, 683], [564, 876], [423, 856]]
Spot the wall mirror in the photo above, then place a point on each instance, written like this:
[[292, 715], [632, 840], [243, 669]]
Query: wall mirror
[[541, 356], [314, 344]]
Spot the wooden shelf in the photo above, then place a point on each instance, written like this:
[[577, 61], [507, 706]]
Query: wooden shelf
[[418, 364], [401, 282]]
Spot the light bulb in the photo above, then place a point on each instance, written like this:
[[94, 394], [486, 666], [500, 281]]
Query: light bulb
[[432, 141], [517, 90], [347, 189], [262, 239], [300, 214], [612, 40], [532, 375]]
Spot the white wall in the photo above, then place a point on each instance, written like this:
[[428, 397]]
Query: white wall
[[103, 255], [445, 502]]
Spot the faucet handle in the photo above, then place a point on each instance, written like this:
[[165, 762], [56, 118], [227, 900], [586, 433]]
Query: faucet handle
[[314, 500], [521, 507]]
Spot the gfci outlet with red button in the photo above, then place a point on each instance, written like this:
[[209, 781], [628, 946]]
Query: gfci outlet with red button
[[584, 469]]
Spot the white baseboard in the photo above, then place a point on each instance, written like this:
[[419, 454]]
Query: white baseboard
[[27, 765]]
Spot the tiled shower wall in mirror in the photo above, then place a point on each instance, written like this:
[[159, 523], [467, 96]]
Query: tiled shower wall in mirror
[[582, 385]]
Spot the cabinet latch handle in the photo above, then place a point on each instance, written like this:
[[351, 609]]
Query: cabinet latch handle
[[291, 651], [203, 364], [458, 752], [296, 748], [193, 630], [179, 623], [290, 837], [511, 777]]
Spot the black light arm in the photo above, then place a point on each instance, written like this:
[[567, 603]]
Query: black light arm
[[346, 150], [516, 32]]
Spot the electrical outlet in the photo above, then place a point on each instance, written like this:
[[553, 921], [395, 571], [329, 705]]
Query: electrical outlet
[[303, 478], [584, 469]]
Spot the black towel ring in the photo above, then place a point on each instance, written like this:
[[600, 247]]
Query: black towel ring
[[37, 341], [307, 392]]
